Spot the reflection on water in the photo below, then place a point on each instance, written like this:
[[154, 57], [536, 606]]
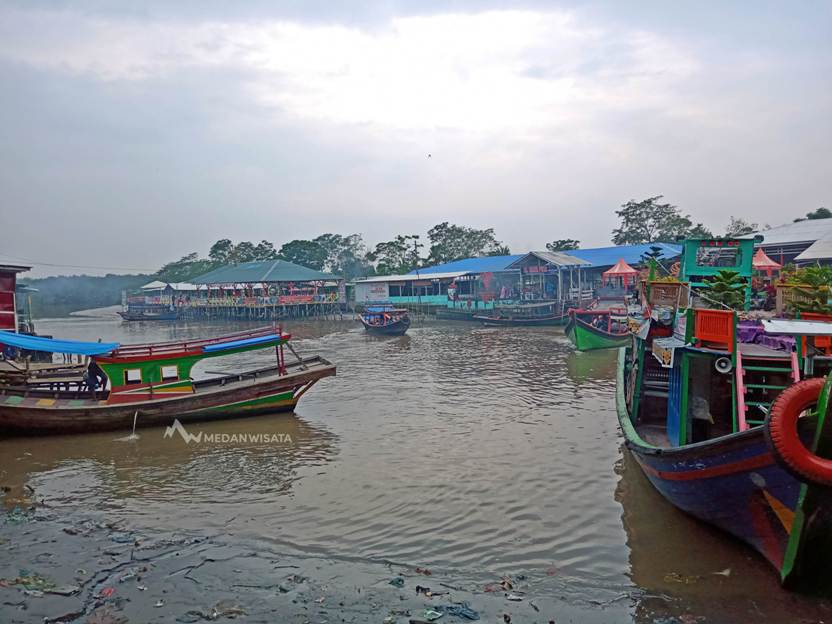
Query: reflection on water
[[478, 451]]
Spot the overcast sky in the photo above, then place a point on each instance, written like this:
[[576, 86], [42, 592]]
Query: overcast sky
[[136, 132]]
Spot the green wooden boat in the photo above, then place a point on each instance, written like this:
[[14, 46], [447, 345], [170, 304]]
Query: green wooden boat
[[583, 332]]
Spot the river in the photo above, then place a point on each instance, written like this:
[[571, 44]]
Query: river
[[475, 452]]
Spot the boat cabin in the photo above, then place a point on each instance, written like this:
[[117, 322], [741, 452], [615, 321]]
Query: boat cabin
[[8, 301]]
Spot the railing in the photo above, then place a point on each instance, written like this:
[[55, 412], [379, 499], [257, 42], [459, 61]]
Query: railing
[[176, 347], [714, 328]]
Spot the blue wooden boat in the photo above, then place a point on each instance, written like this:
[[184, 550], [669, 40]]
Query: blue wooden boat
[[385, 320]]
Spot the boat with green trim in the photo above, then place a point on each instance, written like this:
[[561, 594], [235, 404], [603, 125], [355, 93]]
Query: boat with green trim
[[732, 425], [524, 315], [151, 384], [597, 329]]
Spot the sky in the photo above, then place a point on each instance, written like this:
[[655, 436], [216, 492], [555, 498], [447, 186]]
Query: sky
[[133, 133]]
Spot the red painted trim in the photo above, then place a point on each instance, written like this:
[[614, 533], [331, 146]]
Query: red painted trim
[[145, 358], [760, 461]]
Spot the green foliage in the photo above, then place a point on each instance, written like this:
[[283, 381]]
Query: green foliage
[[185, 269], [648, 221], [727, 288], [306, 253], [563, 244], [820, 213], [813, 284], [455, 242], [345, 255], [398, 256], [740, 227], [64, 294], [654, 253], [221, 251]]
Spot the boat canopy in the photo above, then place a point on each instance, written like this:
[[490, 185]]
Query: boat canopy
[[245, 342], [37, 343]]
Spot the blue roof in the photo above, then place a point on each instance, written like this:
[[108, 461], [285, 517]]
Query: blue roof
[[36, 343], [245, 342], [484, 264], [596, 257], [608, 256]]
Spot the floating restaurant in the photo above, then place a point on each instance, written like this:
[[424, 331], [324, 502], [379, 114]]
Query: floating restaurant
[[265, 290]]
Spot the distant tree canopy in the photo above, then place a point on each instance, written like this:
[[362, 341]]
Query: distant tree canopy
[[455, 242], [63, 294], [398, 256], [820, 213], [563, 244], [304, 252], [648, 221], [740, 227]]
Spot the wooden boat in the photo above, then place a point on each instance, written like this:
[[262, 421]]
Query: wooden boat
[[385, 320], [152, 383], [162, 313], [596, 329], [524, 315], [727, 431]]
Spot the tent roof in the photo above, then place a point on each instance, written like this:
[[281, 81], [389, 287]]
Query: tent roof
[[265, 271], [556, 258], [36, 343], [620, 268], [761, 261]]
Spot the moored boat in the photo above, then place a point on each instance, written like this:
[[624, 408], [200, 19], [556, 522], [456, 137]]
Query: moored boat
[[525, 315], [156, 313], [733, 427], [385, 320], [597, 329], [152, 384]]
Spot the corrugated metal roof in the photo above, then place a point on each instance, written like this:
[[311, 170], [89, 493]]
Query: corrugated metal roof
[[157, 285], [819, 250], [483, 264], [631, 254], [411, 277], [558, 258], [265, 271], [800, 232]]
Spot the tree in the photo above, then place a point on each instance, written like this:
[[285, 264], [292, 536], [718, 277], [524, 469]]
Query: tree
[[727, 288], [184, 269], [305, 253], [820, 213], [648, 221], [243, 251], [220, 251], [264, 250], [345, 255], [454, 242], [397, 256], [740, 227], [563, 244]]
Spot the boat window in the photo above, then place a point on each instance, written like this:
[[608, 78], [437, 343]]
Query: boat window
[[132, 376], [170, 373]]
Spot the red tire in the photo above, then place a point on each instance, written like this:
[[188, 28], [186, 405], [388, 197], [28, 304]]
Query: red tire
[[782, 432]]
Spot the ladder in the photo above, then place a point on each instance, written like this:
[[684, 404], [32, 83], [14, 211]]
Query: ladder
[[759, 379]]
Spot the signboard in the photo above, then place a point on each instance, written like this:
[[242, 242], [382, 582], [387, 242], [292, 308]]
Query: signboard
[[371, 291]]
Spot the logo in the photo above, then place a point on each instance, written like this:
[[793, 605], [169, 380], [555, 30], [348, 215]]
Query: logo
[[226, 438]]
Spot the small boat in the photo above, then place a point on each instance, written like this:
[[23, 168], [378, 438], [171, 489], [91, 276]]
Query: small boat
[[151, 384], [525, 315], [597, 329], [385, 320], [149, 313], [731, 425]]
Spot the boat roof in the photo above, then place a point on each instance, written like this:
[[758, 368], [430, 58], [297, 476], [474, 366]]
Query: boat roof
[[377, 309], [50, 345]]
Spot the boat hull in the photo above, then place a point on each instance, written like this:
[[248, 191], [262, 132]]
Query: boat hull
[[262, 391], [167, 315], [396, 328], [734, 483], [544, 321], [585, 337]]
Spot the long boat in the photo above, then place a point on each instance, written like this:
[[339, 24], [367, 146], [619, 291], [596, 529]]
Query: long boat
[[524, 315], [385, 320], [595, 329], [150, 314], [733, 428], [150, 384]]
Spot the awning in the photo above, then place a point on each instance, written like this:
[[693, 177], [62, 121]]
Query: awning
[[36, 343], [622, 270]]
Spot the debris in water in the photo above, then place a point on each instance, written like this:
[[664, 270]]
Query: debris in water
[[725, 572], [397, 582], [461, 610], [430, 615]]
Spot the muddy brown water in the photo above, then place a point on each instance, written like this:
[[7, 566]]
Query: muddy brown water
[[471, 451]]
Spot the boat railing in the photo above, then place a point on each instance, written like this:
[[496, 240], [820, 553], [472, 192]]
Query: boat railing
[[715, 328], [168, 348]]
